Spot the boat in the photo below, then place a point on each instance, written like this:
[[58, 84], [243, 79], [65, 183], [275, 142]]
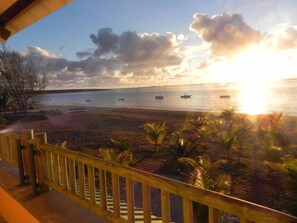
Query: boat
[[186, 96], [121, 99], [88, 100], [77, 110], [225, 96], [159, 97]]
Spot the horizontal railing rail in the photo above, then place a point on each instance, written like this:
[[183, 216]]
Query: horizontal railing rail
[[110, 189]]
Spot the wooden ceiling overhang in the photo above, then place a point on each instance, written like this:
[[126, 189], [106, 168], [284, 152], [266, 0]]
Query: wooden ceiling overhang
[[16, 15]]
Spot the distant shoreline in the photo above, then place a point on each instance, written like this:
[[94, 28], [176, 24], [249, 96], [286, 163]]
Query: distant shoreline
[[72, 90]]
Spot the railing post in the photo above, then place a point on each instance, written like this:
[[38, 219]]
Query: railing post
[[146, 203], [102, 186], [213, 215], [187, 210], [20, 163], [165, 206], [33, 167], [130, 200], [25, 136], [116, 195], [41, 167]]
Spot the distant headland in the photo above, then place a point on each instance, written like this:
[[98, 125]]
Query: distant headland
[[71, 90]]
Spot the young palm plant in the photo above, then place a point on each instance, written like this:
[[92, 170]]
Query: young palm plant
[[244, 135], [288, 167], [120, 154], [228, 117], [227, 140], [112, 155], [180, 147], [202, 132], [121, 145], [155, 134], [204, 174]]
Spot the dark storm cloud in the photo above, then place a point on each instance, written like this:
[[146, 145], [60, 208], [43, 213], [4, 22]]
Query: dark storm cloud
[[227, 34]]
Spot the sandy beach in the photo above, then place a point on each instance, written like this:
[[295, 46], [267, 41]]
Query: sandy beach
[[87, 129]]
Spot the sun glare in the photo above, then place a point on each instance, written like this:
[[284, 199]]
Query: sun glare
[[253, 69]]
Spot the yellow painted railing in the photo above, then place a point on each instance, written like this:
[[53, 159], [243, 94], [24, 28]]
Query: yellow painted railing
[[109, 189]]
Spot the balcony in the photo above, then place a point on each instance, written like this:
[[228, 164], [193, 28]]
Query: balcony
[[114, 193]]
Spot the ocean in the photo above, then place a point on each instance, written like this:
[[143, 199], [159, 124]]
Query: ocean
[[258, 98]]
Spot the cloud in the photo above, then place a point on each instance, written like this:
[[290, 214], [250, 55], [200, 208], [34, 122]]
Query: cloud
[[136, 50], [226, 34], [116, 59], [44, 61], [203, 65], [287, 39], [105, 40], [129, 54]]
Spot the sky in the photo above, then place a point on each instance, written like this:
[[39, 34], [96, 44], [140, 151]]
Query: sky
[[136, 43]]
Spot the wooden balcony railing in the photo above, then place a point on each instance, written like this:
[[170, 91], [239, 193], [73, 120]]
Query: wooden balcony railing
[[119, 193]]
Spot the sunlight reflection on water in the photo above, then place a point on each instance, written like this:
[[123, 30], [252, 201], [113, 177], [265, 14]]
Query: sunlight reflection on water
[[252, 98]]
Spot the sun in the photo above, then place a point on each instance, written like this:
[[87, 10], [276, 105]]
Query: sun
[[253, 69]]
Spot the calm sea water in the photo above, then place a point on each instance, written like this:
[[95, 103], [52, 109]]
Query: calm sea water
[[258, 98]]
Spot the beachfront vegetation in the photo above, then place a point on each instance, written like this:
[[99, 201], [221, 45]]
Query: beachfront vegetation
[[243, 169], [199, 147], [19, 79]]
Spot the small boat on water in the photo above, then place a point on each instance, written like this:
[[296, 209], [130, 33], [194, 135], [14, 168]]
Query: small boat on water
[[225, 96], [186, 96], [88, 100], [121, 99], [77, 110], [159, 97]]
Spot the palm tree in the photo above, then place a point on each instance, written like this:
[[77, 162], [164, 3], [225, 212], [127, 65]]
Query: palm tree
[[271, 131], [203, 174], [155, 134], [124, 158], [121, 145], [180, 146], [226, 131], [227, 140], [244, 134], [228, 116], [202, 132], [288, 167]]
